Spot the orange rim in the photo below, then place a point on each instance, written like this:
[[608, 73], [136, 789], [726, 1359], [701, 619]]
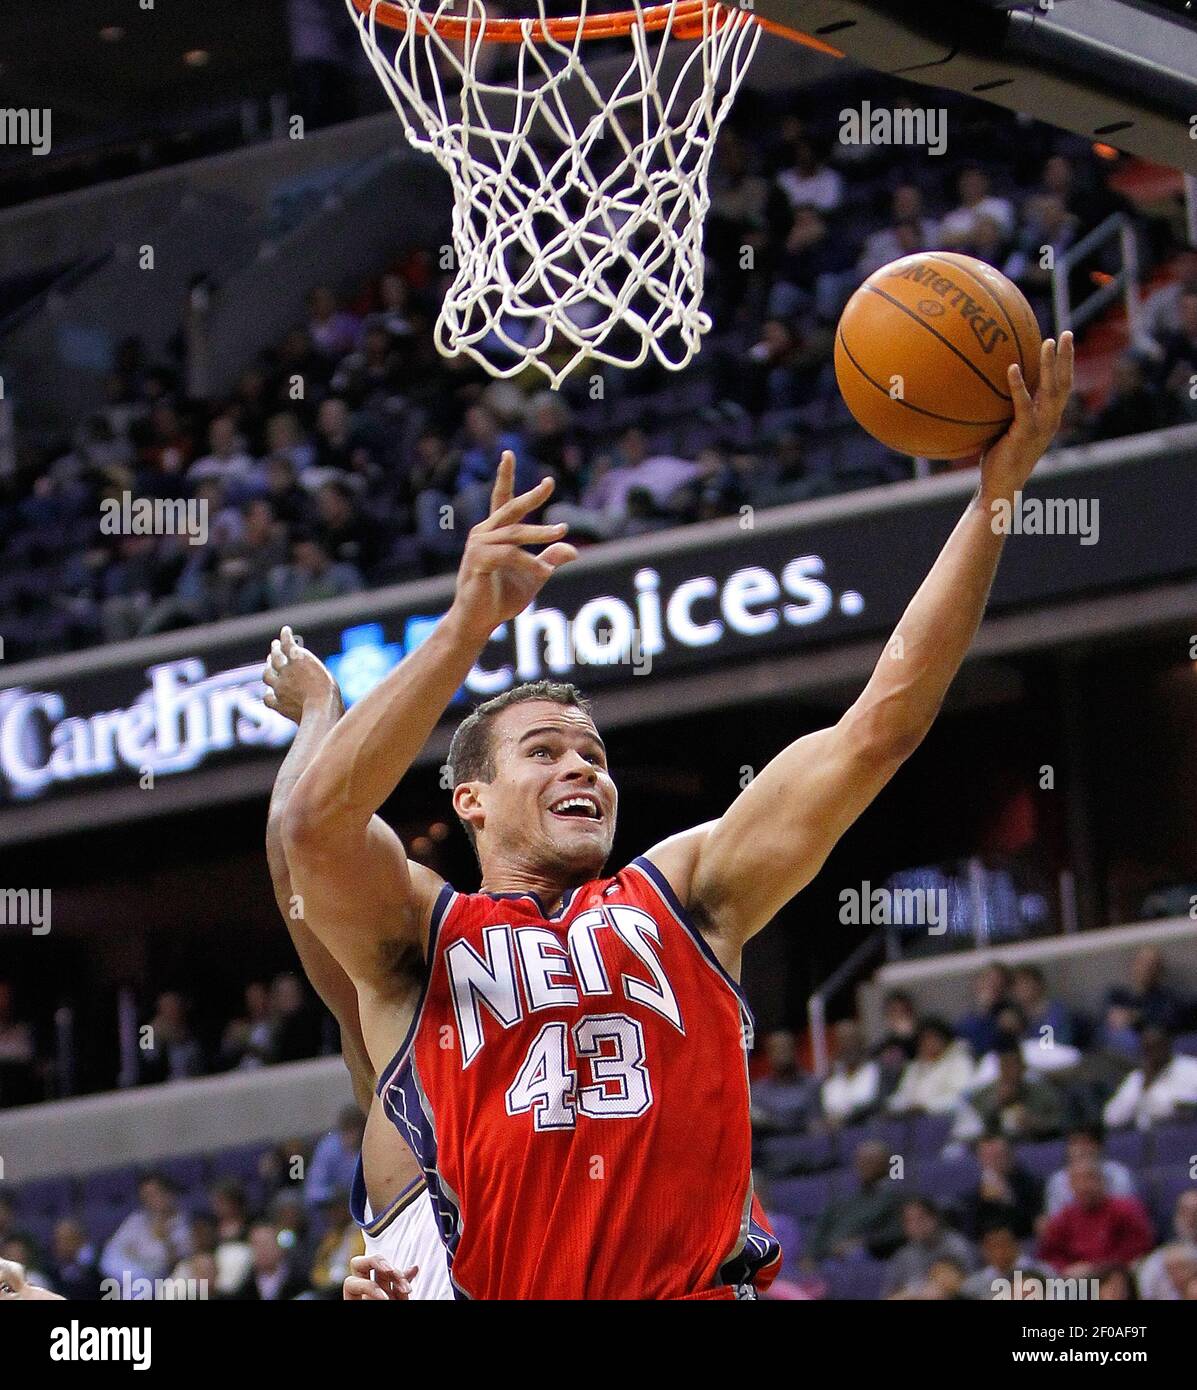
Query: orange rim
[[687, 18]]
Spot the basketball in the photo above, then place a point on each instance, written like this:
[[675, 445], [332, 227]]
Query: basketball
[[922, 352]]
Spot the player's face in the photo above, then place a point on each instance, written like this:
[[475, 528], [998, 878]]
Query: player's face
[[552, 803]]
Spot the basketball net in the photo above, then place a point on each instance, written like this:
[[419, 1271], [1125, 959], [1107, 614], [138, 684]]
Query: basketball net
[[577, 210]]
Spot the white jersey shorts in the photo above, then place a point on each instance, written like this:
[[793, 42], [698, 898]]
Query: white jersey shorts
[[408, 1234]]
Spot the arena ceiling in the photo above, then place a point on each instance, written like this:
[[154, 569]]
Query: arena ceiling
[[109, 69]]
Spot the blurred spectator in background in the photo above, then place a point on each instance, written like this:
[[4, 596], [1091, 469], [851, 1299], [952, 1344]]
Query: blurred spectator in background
[[170, 1050], [1134, 404], [334, 1160], [1004, 1258], [246, 1040], [810, 182], [1115, 1283], [1166, 1272], [1159, 314], [899, 1038], [311, 574], [230, 1210], [333, 330], [852, 1090], [149, 1242], [978, 1027], [1177, 369], [296, 1031], [910, 230], [1085, 1143], [869, 1218], [934, 1082], [16, 1052], [958, 230], [1094, 1228], [1015, 1103], [1006, 1194], [927, 1241], [1029, 991], [241, 582], [1041, 1052], [1147, 999], [273, 1276], [342, 1240], [74, 1270], [1162, 1087], [226, 460]]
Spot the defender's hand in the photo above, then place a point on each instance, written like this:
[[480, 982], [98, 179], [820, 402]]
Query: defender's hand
[[15, 1287], [1007, 465], [497, 578], [388, 1282], [296, 678]]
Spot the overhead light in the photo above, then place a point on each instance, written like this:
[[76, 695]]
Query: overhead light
[[196, 57], [112, 33]]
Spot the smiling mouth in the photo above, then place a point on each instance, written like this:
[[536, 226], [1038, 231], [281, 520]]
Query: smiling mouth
[[579, 806]]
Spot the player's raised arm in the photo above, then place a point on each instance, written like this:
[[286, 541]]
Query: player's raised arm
[[736, 872], [302, 688], [360, 895]]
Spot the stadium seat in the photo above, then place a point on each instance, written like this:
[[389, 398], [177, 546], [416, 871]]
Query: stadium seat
[[929, 1133], [944, 1180], [1175, 1142], [859, 1279], [1127, 1146], [785, 1154], [1043, 1158], [801, 1197]]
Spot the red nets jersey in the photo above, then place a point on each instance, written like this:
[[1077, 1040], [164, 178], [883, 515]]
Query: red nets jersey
[[575, 1086]]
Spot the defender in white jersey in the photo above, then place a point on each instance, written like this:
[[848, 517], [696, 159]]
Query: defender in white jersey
[[405, 1236]]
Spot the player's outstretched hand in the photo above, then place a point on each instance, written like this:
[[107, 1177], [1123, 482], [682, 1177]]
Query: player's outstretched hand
[[497, 577], [387, 1283], [1006, 465], [294, 677]]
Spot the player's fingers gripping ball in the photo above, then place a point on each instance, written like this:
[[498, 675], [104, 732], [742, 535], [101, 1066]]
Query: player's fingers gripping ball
[[922, 352]]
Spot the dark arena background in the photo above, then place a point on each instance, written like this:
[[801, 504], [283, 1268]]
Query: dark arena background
[[220, 266]]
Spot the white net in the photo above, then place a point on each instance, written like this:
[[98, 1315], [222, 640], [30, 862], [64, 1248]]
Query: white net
[[578, 193]]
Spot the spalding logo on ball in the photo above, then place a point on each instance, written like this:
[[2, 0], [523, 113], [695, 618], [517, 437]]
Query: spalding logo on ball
[[922, 350]]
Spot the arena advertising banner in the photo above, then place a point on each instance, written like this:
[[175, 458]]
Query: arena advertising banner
[[724, 593]]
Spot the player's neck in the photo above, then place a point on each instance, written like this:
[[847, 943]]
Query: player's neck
[[549, 890]]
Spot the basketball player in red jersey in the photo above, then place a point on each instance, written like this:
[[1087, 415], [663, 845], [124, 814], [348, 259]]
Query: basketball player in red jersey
[[389, 1200], [574, 1078]]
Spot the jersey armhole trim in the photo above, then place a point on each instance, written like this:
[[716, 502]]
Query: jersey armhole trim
[[674, 904], [440, 910]]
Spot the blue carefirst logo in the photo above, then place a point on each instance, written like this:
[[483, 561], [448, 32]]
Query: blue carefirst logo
[[366, 656]]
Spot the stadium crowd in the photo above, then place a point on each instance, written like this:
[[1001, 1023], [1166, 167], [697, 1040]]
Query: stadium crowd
[[351, 455], [982, 1159], [1023, 1142]]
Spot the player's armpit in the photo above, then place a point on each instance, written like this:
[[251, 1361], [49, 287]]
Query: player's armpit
[[778, 832]]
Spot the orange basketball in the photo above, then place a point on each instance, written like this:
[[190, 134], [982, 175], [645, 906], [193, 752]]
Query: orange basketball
[[922, 349]]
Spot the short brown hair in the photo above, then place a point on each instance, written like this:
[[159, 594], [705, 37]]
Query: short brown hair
[[471, 754]]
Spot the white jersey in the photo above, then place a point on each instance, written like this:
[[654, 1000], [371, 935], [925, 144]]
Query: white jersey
[[406, 1234]]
